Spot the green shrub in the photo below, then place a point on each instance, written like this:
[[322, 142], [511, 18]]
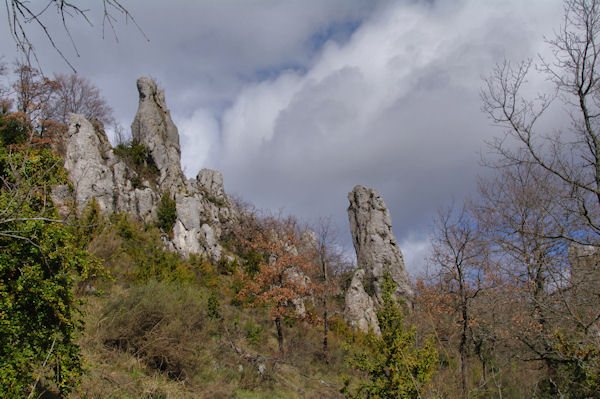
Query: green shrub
[[226, 267], [40, 266], [166, 213], [253, 260], [137, 253], [89, 223], [14, 129], [395, 367], [137, 156], [213, 306], [252, 332], [578, 371], [134, 152]]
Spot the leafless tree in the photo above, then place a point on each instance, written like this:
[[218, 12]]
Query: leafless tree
[[120, 136], [33, 92], [328, 255], [571, 156], [460, 256], [22, 14], [76, 94], [519, 214]]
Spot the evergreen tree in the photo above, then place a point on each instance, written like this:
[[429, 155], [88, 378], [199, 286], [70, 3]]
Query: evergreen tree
[[394, 365]]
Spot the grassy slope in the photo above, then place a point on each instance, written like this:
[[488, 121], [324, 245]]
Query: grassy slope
[[161, 339]]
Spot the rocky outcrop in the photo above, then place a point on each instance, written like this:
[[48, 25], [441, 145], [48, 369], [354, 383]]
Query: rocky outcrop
[[154, 127], [298, 279], [377, 253], [376, 248], [204, 211], [359, 311], [95, 172]]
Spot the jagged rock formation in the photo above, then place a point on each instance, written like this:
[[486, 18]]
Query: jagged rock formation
[[377, 252], [154, 128], [359, 311], [376, 248], [97, 173], [204, 211]]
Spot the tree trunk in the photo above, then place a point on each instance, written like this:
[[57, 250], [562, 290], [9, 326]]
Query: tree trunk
[[463, 339], [463, 362], [325, 326], [279, 334]]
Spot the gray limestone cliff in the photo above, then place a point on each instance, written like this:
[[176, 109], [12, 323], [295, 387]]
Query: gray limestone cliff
[[377, 252], [204, 211], [154, 128], [95, 172]]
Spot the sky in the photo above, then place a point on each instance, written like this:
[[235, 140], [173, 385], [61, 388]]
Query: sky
[[298, 101]]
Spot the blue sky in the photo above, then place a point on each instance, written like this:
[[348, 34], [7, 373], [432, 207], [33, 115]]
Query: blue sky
[[298, 101]]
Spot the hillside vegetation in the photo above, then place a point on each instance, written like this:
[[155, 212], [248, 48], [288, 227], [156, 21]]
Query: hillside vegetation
[[97, 304]]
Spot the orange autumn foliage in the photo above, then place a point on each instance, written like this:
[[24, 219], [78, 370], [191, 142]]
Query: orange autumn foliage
[[281, 277]]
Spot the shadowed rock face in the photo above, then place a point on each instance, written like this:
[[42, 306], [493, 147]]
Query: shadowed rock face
[[377, 251], [204, 210], [154, 128]]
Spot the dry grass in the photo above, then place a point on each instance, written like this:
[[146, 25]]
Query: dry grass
[[156, 341]]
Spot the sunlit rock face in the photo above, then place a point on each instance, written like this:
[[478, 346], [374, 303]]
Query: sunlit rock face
[[377, 253], [95, 172], [154, 128], [204, 211]]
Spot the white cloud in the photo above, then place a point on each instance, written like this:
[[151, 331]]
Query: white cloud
[[396, 107], [199, 139], [415, 250], [293, 122]]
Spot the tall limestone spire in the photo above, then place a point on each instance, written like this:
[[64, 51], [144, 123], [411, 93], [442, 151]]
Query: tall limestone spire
[[377, 253], [154, 128]]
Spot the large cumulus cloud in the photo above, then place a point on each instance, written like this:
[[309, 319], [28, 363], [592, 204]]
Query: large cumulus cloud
[[298, 101], [396, 108]]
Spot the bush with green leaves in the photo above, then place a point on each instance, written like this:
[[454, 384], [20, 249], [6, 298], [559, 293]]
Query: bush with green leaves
[[137, 156], [166, 213], [14, 129], [136, 253], [394, 365], [40, 266], [213, 306], [253, 332], [134, 152], [577, 369]]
